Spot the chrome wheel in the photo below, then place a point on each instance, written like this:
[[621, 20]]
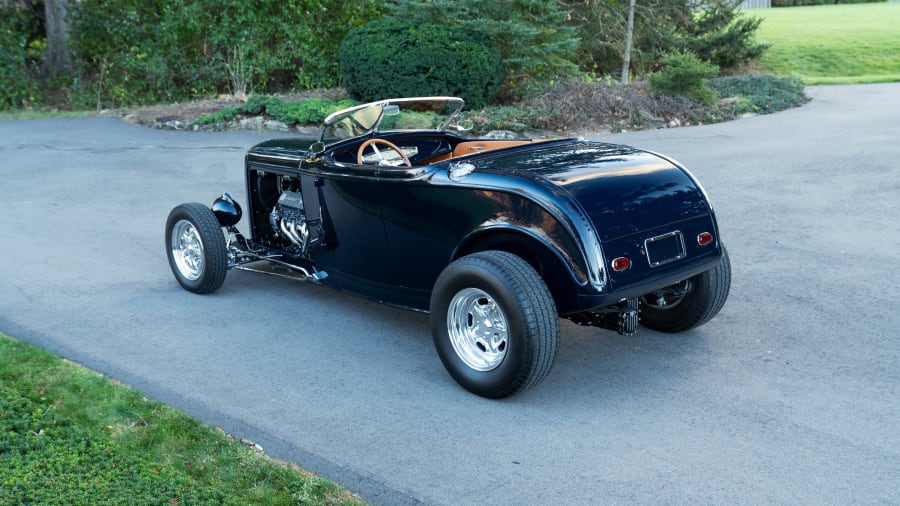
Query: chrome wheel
[[478, 329], [494, 323], [187, 250]]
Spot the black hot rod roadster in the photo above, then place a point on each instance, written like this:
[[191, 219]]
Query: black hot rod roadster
[[496, 239]]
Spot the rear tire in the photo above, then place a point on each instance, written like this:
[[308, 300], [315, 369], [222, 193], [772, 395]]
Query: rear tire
[[195, 246], [688, 304], [494, 324]]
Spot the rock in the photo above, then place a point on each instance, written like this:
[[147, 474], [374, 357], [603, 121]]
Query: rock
[[251, 444], [254, 123], [500, 135], [173, 124], [308, 129], [275, 125]]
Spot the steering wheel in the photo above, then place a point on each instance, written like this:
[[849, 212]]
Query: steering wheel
[[373, 142]]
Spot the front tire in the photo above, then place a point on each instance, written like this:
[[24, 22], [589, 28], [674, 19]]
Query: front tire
[[690, 303], [195, 246], [494, 324]]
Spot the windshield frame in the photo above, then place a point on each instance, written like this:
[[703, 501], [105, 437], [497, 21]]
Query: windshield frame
[[365, 119]]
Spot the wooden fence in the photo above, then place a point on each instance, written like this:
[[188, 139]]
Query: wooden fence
[[755, 4]]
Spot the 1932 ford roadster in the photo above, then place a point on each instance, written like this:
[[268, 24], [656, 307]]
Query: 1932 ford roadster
[[496, 239]]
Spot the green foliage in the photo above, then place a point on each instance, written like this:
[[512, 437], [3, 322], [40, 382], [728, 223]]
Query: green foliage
[[146, 51], [533, 36], [713, 29], [388, 58], [761, 93], [600, 26], [684, 74], [797, 3], [310, 110], [46, 459], [306, 111], [720, 35], [69, 436], [18, 89]]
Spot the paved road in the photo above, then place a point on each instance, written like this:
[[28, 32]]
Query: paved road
[[789, 396]]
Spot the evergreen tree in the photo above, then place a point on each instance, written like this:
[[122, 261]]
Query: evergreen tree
[[716, 30], [533, 36]]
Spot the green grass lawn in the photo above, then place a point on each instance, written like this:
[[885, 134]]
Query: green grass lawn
[[41, 114], [832, 44], [71, 436]]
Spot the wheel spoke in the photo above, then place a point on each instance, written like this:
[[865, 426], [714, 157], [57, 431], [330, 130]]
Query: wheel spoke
[[477, 328], [187, 250]]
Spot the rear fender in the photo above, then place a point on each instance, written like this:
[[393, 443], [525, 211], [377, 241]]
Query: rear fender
[[553, 255]]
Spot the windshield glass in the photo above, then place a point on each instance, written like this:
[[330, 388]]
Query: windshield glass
[[404, 114]]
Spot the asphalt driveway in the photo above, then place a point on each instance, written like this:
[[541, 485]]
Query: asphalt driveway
[[789, 396]]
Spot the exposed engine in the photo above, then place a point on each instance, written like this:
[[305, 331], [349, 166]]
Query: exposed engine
[[289, 221]]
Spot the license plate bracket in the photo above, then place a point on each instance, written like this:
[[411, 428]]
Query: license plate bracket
[[665, 248]]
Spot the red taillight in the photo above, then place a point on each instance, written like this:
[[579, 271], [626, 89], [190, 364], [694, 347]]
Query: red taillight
[[620, 264], [704, 238]]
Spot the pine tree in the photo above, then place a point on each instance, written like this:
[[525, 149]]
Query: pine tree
[[533, 36]]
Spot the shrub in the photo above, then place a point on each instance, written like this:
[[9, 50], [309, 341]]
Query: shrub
[[390, 58], [533, 36], [600, 26], [713, 29], [310, 110], [684, 74], [762, 93], [592, 104], [138, 52], [720, 35], [17, 88]]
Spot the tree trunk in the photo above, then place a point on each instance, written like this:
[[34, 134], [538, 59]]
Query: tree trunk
[[629, 31], [57, 59]]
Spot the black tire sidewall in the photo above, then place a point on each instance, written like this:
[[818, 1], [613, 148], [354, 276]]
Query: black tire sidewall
[[707, 296], [513, 371], [215, 264]]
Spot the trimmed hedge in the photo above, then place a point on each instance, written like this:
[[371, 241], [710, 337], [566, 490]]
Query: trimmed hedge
[[389, 58]]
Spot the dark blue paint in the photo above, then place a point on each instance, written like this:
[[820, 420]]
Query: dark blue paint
[[567, 206]]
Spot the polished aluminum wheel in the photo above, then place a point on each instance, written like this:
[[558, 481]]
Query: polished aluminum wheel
[[187, 250], [478, 329]]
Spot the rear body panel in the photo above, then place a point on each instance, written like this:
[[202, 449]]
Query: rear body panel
[[387, 232]]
